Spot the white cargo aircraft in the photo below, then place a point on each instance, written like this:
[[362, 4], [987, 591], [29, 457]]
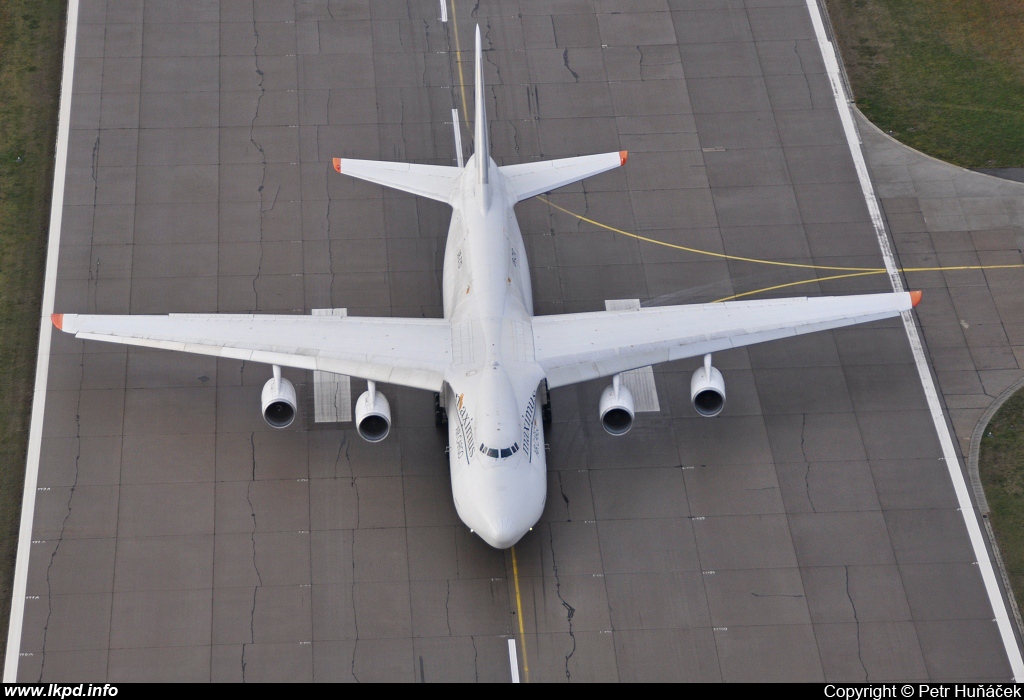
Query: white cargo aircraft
[[489, 357]]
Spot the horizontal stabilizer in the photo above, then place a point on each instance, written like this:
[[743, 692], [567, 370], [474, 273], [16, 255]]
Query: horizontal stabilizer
[[530, 179], [431, 181]]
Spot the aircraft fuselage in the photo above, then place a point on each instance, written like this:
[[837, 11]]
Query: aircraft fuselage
[[495, 431]]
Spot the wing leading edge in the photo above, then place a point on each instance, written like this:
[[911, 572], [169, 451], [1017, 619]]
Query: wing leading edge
[[576, 347], [409, 352]]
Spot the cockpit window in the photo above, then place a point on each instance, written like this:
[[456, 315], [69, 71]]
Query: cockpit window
[[503, 453]]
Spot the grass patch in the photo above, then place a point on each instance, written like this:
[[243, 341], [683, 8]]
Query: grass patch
[[31, 47], [1001, 464], [943, 76]]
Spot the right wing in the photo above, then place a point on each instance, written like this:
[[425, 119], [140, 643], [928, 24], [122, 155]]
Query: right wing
[[407, 351], [529, 179], [576, 347]]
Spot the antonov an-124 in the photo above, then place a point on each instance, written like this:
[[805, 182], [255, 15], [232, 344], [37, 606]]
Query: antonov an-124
[[489, 360]]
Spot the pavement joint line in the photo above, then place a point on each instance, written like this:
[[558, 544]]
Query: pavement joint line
[[967, 510], [35, 435], [519, 614]]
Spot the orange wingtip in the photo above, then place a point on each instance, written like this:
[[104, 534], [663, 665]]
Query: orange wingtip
[[915, 298], [623, 157], [58, 320], [337, 164]]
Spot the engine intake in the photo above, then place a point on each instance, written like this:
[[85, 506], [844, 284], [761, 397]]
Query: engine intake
[[278, 401], [616, 408], [373, 415], [707, 390]]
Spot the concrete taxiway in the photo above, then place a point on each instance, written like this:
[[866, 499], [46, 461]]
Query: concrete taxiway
[[811, 532]]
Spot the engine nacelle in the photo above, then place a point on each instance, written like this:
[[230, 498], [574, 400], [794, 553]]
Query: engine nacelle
[[616, 408], [373, 415], [279, 401], [707, 390]]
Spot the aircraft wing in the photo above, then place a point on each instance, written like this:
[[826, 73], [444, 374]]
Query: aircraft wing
[[409, 352], [576, 347]]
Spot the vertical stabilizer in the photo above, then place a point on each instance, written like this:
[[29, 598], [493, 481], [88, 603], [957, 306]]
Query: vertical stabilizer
[[481, 144]]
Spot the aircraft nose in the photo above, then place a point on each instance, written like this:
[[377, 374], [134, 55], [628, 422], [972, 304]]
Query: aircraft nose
[[502, 533]]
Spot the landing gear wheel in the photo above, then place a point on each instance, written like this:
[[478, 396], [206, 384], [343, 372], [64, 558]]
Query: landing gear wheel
[[545, 403], [440, 415]]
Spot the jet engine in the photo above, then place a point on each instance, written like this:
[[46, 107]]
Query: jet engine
[[707, 390], [616, 408], [278, 401], [373, 414]]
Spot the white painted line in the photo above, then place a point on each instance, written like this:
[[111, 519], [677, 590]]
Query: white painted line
[[963, 497], [35, 434], [458, 138], [332, 393], [513, 660], [444, 11]]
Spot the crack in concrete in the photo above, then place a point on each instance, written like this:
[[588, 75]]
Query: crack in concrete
[[776, 595], [342, 447], [565, 60], [355, 623], [487, 57], [355, 616], [803, 72], [259, 147], [476, 666], [95, 164], [856, 620], [259, 578], [641, 65], [586, 207], [64, 523], [355, 487], [403, 149], [447, 601], [807, 464], [570, 611], [515, 136], [565, 498], [94, 280], [327, 220]]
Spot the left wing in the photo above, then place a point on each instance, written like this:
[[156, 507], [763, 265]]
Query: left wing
[[576, 347], [406, 351]]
